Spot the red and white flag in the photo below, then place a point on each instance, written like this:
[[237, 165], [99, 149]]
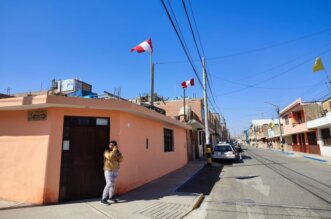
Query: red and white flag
[[187, 83], [144, 46]]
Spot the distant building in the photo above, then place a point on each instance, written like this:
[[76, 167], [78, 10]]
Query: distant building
[[193, 115], [323, 126], [4, 96], [297, 135], [258, 132]]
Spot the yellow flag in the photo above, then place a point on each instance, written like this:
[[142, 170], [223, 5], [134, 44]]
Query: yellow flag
[[318, 65]]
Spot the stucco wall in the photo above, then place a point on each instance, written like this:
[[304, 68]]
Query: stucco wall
[[142, 164], [23, 150], [30, 152]]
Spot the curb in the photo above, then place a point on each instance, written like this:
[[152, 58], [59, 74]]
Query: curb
[[284, 152], [317, 159], [191, 177], [304, 156], [196, 204]]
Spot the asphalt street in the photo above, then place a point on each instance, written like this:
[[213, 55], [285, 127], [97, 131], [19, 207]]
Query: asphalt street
[[267, 184]]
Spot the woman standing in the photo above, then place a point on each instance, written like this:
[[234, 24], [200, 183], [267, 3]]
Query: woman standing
[[111, 164]]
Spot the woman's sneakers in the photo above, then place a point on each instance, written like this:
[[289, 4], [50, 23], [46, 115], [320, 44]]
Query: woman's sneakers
[[104, 202], [112, 200]]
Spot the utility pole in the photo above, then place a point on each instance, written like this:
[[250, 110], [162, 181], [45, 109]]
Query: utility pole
[[205, 102], [280, 125], [208, 146], [8, 89], [280, 129], [152, 83]]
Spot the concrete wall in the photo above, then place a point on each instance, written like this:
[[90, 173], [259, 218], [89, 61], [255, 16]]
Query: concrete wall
[[23, 157], [173, 107], [294, 129], [325, 149], [30, 151]]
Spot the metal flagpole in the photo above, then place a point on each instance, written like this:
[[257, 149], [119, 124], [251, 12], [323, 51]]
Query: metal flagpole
[[184, 106], [152, 80], [327, 76]]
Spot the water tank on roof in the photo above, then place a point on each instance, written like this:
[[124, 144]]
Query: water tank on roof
[[187, 110]]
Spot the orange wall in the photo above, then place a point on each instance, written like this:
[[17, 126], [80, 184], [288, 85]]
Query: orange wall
[[30, 152], [23, 149], [142, 165]]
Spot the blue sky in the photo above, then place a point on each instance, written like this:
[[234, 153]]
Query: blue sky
[[256, 51]]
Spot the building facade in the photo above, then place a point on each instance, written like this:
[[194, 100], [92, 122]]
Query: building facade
[[193, 115], [51, 147], [323, 126], [297, 135]]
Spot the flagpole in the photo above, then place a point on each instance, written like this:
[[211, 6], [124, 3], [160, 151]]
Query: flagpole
[[327, 76], [152, 79], [184, 106]]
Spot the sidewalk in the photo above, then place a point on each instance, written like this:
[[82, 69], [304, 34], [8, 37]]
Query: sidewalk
[[312, 157], [157, 199]]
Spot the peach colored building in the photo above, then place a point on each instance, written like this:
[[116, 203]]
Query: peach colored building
[[51, 146], [295, 117], [194, 116]]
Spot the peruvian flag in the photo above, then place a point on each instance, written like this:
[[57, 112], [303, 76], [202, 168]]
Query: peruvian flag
[[144, 46], [187, 83]]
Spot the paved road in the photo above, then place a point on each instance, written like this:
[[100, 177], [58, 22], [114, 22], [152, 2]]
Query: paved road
[[269, 184]]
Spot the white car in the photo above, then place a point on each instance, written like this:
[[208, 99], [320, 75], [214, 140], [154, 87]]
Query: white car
[[224, 151]]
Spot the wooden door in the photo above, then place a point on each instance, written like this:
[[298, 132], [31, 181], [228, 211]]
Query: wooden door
[[82, 163]]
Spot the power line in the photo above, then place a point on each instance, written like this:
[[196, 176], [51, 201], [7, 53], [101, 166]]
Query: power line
[[253, 50], [273, 45], [258, 87], [196, 28], [192, 32], [274, 76], [179, 29], [182, 44], [285, 63], [197, 48]]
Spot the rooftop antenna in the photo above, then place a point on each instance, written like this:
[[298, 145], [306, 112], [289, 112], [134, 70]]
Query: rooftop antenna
[[8, 89]]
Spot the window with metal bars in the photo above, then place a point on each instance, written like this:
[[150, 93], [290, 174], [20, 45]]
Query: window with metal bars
[[326, 137], [168, 140]]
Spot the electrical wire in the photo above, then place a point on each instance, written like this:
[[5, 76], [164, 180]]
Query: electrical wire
[[284, 63], [271, 46], [198, 50], [181, 42], [275, 75], [196, 28], [258, 87]]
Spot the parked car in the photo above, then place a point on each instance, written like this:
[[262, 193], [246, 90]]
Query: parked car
[[224, 152]]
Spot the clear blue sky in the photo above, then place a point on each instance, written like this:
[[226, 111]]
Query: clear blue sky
[[265, 43]]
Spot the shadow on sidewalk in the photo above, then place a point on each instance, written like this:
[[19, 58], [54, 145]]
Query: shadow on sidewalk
[[161, 188], [204, 181]]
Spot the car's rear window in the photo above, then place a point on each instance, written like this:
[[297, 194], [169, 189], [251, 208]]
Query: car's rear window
[[223, 148]]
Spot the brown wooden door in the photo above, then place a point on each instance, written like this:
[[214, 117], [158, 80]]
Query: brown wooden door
[[81, 166], [302, 142]]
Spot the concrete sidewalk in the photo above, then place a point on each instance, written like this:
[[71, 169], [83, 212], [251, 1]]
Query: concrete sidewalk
[[313, 157], [157, 199]]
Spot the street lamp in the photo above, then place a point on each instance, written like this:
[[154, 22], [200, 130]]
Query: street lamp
[[280, 125]]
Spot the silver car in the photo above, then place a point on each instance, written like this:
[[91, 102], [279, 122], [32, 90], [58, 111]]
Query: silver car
[[224, 151]]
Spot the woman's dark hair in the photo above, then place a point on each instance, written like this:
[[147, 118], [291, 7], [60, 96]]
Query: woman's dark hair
[[113, 142]]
